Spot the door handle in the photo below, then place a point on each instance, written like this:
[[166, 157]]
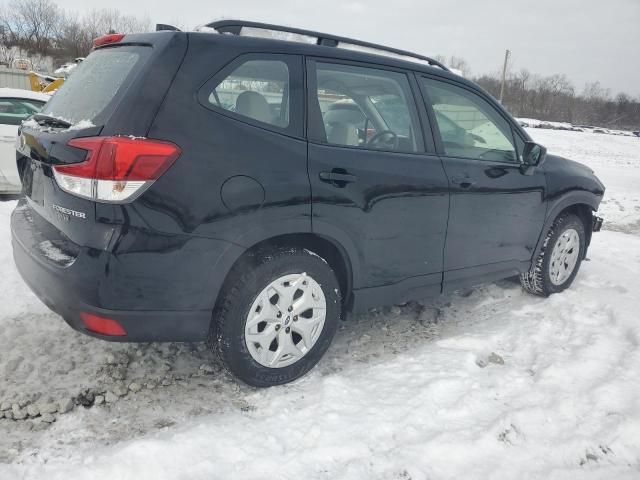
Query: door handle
[[338, 178], [463, 181]]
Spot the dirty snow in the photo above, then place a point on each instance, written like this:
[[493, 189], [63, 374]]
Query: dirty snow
[[486, 383], [533, 123], [54, 253]]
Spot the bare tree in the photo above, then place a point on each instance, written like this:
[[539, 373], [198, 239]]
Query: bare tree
[[76, 34], [595, 91], [460, 64], [7, 55], [31, 24], [99, 22], [72, 38]]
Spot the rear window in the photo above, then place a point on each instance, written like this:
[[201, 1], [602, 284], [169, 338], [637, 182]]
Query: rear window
[[89, 90]]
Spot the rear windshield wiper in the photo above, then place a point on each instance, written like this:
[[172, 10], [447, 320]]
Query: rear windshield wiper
[[49, 121]]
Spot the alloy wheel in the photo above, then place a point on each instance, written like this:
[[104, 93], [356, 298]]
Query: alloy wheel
[[285, 320], [564, 256]]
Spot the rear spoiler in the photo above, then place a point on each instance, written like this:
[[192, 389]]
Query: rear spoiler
[[163, 27]]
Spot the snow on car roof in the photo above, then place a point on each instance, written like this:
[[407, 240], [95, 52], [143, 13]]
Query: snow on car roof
[[20, 93]]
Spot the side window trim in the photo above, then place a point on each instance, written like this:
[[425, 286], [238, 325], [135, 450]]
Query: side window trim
[[294, 63], [434, 125], [431, 127], [315, 129]]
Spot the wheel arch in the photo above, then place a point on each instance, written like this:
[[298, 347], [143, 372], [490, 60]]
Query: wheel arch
[[582, 204], [325, 247], [328, 249]]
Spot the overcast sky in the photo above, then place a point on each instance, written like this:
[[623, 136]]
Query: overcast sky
[[588, 40]]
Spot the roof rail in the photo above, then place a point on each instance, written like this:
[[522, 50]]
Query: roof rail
[[235, 27]]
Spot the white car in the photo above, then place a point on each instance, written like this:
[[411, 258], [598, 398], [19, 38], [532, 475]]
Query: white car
[[66, 69], [15, 106]]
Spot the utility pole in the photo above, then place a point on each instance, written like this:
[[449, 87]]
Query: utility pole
[[507, 54]]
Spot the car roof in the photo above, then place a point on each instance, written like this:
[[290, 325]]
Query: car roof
[[310, 49], [271, 45], [277, 45], [25, 94]]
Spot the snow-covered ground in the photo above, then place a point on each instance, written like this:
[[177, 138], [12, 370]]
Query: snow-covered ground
[[487, 383], [534, 123]]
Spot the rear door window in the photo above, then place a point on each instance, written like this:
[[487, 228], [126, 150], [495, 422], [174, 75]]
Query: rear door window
[[365, 107], [88, 93]]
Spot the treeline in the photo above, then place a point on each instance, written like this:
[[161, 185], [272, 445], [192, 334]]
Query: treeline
[[555, 98], [41, 28]]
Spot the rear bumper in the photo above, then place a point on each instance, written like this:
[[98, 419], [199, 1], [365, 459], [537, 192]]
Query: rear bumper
[[74, 286]]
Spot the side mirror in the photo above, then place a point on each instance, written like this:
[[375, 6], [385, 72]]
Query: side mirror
[[533, 156]]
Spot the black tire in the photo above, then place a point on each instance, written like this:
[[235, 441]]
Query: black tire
[[537, 280], [244, 284]]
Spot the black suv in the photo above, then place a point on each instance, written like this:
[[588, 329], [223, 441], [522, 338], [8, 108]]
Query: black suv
[[252, 191]]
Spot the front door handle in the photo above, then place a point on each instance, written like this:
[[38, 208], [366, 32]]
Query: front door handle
[[464, 181], [337, 178]]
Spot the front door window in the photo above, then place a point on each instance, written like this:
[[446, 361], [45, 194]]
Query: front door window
[[469, 126]]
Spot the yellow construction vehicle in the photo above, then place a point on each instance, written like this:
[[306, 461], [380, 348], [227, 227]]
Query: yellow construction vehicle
[[44, 83]]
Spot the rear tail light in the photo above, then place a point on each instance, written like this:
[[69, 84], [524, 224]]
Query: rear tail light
[[102, 325], [116, 169], [106, 39]]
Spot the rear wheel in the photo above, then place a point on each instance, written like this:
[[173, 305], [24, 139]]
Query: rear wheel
[[559, 260], [277, 317]]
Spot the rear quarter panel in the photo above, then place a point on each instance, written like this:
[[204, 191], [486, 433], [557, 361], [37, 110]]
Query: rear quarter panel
[[274, 194]]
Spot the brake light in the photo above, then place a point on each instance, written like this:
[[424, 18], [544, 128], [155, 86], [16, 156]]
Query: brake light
[[116, 169], [102, 325], [107, 39]]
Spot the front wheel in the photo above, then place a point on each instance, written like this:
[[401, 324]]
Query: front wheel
[[277, 316], [559, 261]]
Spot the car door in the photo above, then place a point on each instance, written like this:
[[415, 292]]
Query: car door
[[12, 112], [496, 211], [375, 188]]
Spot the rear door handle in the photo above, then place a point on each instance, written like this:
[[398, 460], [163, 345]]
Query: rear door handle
[[337, 177], [463, 181]]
